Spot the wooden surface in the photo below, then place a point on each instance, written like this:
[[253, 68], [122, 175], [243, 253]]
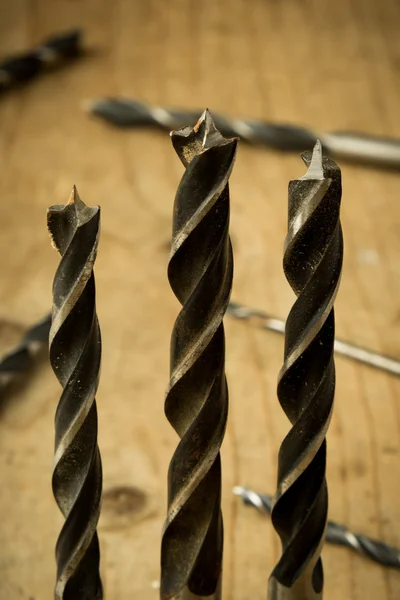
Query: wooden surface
[[333, 65]]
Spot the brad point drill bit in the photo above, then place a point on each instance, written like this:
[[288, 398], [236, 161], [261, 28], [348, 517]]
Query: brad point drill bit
[[200, 273], [54, 51], [312, 263], [75, 349], [346, 145], [19, 358], [337, 534]]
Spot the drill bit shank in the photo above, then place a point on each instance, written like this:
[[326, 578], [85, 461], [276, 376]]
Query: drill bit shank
[[312, 264], [200, 273], [75, 349]]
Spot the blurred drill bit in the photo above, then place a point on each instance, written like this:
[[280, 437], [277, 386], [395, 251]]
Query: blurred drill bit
[[19, 358], [51, 53], [312, 263], [75, 349], [337, 534], [200, 273], [355, 147], [348, 349]]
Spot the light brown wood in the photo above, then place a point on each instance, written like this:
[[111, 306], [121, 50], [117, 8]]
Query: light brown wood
[[333, 65]]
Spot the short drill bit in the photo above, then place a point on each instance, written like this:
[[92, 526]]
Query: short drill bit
[[312, 263], [75, 349], [54, 51], [337, 534], [346, 145], [200, 273], [19, 358]]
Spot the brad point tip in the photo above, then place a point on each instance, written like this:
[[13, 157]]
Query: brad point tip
[[315, 169]]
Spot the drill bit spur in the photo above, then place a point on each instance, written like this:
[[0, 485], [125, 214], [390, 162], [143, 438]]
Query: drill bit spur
[[312, 263], [200, 273], [336, 533], [346, 145], [75, 349]]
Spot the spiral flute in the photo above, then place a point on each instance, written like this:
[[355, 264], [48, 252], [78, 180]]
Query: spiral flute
[[312, 263], [75, 349], [51, 53], [200, 273]]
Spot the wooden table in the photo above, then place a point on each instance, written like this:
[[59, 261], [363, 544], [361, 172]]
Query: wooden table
[[333, 65]]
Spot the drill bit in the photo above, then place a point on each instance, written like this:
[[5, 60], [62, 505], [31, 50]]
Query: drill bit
[[54, 51], [75, 349], [200, 273], [337, 534], [312, 263], [19, 358], [352, 146], [358, 353]]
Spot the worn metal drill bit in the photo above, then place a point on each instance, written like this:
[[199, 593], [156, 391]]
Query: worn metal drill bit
[[348, 349], [337, 534], [200, 273], [75, 349], [352, 146], [17, 360], [58, 49], [312, 263]]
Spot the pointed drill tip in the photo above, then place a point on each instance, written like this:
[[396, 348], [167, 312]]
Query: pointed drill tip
[[314, 163]]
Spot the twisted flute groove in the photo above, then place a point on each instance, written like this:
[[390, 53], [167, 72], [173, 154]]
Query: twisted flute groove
[[336, 533], [312, 264], [75, 352], [346, 145], [200, 273], [52, 52]]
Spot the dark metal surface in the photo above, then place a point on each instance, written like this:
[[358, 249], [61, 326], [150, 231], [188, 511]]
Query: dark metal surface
[[19, 69], [312, 263], [17, 361], [200, 273], [346, 145], [75, 350], [337, 534]]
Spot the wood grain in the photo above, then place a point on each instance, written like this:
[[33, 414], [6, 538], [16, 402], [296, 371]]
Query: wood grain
[[333, 65]]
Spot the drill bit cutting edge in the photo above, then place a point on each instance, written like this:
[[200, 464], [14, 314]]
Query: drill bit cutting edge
[[312, 263], [337, 534], [200, 273], [355, 147], [75, 351]]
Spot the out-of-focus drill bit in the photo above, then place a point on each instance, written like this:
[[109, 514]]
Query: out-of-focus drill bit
[[200, 273], [75, 349], [19, 358], [348, 349], [337, 534], [312, 263], [51, 53], [355, 147]]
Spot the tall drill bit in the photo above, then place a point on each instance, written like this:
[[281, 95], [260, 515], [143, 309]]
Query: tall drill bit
[[346, 145], [337, 534], [200, 273], [17, 360], [18, 69], [312, 264], [75, 349]]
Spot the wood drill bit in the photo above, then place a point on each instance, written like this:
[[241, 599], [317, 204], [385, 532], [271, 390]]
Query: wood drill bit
[[17, 360], [346, 145], [312, 263], [336, 533], [56, 50], [200, 273], [75, 349]]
